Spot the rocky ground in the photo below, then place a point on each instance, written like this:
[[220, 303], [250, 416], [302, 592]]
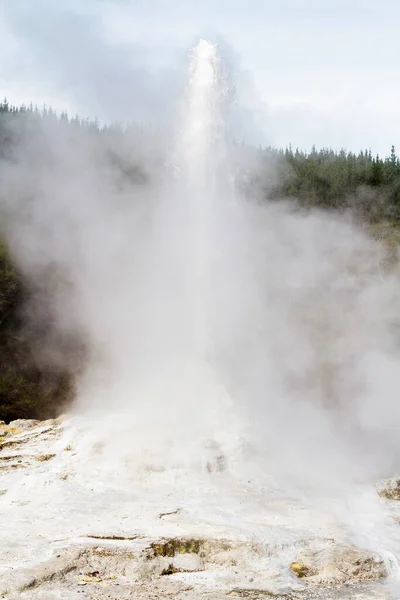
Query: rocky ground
[[72, 529]]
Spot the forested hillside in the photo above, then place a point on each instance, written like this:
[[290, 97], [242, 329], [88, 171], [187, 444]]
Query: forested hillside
[[366, 185]]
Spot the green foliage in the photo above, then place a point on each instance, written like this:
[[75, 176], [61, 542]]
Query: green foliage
[[8, 283], [367, 185], [26, 391]]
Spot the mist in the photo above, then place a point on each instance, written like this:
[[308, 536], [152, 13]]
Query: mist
[[212, 322]]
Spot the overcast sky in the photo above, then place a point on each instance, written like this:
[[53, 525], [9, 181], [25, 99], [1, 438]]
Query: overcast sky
[[309, 71]]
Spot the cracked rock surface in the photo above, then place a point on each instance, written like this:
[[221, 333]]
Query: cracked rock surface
[[80, 520]]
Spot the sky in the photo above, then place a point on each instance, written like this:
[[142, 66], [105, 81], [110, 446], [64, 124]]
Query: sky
[[307, 71]]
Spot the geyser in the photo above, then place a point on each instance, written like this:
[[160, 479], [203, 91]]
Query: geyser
[[211, 320], [242, 357]]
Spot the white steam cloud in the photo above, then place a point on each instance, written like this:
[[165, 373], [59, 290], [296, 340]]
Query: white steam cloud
[[265, 333]]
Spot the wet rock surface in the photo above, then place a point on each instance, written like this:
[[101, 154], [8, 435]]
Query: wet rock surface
[[389, 489], [339, 564], [69, 530]]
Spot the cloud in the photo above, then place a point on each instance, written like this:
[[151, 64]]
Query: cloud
[[68, 52]]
